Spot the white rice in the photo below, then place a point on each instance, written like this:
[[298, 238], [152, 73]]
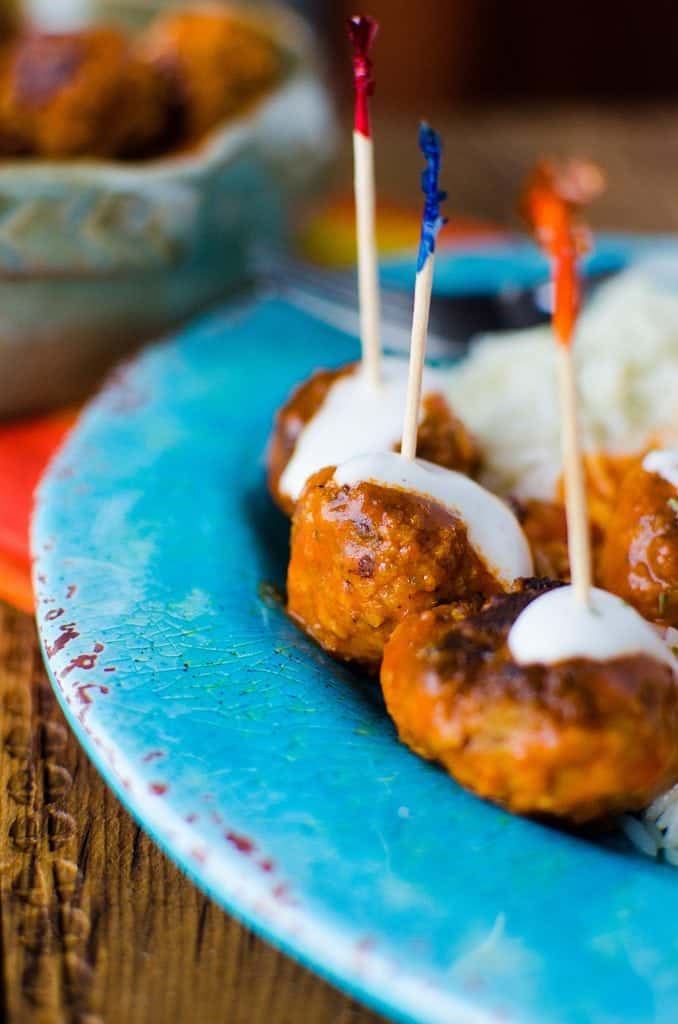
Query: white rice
[[640, 835], [626, 351], [627, 356], [658, 826]]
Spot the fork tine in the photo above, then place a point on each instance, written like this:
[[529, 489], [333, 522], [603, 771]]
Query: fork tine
[[395, 331], [342, 286]]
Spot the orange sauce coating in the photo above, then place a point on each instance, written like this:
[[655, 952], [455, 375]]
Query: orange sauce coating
[[366, 556]]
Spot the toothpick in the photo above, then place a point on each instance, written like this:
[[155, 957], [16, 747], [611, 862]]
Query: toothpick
[[429, 143], [576, 508], [553, 196], [362, 32], [422, 305]]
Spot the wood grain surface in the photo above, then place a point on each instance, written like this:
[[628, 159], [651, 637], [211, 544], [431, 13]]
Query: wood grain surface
[[96, 925]]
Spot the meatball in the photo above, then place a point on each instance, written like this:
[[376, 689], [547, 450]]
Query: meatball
[[364, 556], [9, 19], [290, 420], [80, 94], [216, 62], [9, 143], [577, 740], [15, 139], [639, 556], [443, 438], [545, 526]]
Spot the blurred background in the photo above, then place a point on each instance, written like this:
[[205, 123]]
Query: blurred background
[[506, 81], [457, 52], [504, 84]]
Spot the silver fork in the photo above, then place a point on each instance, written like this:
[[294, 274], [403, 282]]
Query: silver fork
[[332, 296]]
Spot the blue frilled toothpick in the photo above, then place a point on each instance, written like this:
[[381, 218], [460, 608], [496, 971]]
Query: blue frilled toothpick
[[432, 221]]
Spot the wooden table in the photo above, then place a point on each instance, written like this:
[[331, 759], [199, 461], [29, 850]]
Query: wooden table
[[95, 923]]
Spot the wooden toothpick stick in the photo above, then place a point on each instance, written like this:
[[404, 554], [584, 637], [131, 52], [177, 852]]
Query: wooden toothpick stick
[[552, 199], [576, 508], [429, 143], [362, 32]]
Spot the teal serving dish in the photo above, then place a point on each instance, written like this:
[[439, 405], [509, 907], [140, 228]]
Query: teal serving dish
[[97, 256], [269, 772]]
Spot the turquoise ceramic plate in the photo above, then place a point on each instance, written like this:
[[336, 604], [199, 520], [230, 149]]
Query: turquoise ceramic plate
[[268, 772]]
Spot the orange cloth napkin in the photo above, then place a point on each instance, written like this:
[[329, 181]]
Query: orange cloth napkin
[[26, 447]]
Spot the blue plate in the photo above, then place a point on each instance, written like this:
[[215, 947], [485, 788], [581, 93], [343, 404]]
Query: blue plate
[[485, 268], [268, 772]]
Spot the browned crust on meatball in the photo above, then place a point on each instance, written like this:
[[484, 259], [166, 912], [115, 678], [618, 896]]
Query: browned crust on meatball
[[442, 438], [81, 94], [364, 557], [575, 740], [639, 557], [544, 524]]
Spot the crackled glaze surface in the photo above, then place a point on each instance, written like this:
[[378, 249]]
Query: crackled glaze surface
[[271, 774]]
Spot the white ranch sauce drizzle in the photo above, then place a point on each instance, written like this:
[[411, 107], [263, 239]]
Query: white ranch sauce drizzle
[[557, 627], [354, 419], [663, 462], [491, 527]]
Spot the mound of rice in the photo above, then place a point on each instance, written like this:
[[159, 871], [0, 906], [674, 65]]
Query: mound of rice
[[627, 356], [626, 351]]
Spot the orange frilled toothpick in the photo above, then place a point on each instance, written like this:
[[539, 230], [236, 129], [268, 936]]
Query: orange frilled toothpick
[[552, 201]]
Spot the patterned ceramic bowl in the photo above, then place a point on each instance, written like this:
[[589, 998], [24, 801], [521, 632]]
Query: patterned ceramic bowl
[[97, 256]]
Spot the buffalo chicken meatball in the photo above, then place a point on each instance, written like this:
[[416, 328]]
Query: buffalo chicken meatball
[[545, 526], [81, 93], [290, 421], [639, 557], [576, 739], [216, 62], [442, 437], [365, 554]]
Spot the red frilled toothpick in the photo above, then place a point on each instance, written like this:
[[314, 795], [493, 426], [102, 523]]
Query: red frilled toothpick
[[552, 201], [362, 32]]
